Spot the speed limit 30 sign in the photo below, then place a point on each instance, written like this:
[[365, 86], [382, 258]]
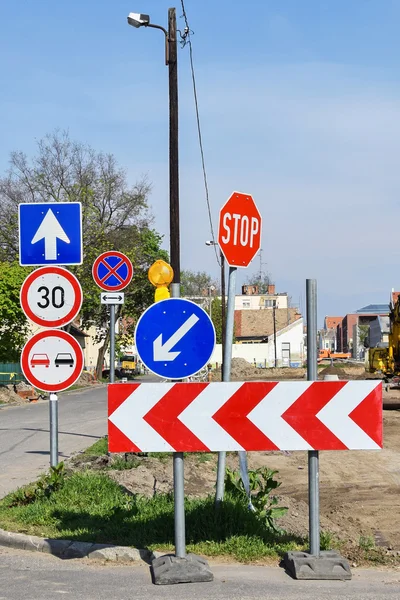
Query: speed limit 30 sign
[[51, 296]]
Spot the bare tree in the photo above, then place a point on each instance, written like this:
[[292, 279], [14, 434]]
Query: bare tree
[[67, 171]]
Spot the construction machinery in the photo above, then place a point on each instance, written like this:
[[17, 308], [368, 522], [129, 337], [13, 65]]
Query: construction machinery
[[387, 360], [329, 355], [128, 366]]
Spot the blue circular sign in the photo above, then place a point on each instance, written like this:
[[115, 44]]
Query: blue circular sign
[[175, 338]]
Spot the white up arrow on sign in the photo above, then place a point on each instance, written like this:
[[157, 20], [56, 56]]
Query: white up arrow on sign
[[50, 229], [162, 351]]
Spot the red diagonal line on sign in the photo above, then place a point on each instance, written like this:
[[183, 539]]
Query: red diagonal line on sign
[[163, 417], [368, 415], [232, 416], [118, 441], [112, 270], [301, 415], [117, 394]]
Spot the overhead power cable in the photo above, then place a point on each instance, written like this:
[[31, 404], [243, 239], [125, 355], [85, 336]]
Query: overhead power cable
[[186, 40]]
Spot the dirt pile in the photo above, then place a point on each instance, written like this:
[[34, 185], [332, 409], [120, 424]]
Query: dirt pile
[[344, 371], [87, 378], [241, 370], [9, 396]]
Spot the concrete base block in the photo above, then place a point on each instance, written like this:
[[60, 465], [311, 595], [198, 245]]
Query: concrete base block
[[329, 565], [169, 569]]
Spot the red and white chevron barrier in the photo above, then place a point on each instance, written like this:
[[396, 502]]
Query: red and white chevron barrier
[[295, 415]]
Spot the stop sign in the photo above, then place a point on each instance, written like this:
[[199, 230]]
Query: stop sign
[[239, 231]]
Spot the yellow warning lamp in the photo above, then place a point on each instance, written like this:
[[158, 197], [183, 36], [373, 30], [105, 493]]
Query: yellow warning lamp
[[160, 275]]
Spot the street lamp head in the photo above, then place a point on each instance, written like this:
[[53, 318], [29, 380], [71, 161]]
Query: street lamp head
[[138, 20]]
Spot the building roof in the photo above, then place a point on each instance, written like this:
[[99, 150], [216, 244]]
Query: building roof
[[374, 309], [260, 323], [332, 322]]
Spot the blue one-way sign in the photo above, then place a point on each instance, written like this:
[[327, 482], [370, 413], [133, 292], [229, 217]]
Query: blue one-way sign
[[175, 338], [50, 233]]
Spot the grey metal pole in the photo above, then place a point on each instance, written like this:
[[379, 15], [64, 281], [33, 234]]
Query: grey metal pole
[[53, 407], [313, 455], [112, 343], [179, 481], [223, 305], [274, 315], [226, 374]]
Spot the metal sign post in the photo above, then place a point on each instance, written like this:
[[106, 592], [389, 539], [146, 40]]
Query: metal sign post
[[179, 481], [313, 455], [112, 343], [315, 564], [226, 374], [53, 404]]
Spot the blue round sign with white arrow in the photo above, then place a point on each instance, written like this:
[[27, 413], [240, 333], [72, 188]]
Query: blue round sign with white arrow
[[175, 338]]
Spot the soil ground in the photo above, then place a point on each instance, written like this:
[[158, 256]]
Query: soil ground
[[359, 490]]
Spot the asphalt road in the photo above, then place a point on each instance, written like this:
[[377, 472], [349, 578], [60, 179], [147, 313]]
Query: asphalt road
[[25, 437], [34, 576]]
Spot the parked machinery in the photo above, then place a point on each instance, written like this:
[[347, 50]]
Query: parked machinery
[[387, 360]]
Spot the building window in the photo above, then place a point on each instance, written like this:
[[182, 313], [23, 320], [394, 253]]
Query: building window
[[246, 303], [269, 303], [285, 354]]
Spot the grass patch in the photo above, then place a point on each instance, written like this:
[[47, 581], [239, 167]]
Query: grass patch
[[99, 448], [92, 507]]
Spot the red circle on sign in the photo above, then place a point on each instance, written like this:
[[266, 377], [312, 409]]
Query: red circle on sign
[[53, 270], [45, 361], [112, 271], [239, 231]]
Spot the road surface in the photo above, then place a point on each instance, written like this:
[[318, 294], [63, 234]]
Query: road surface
[[25, 438], [35, 576]]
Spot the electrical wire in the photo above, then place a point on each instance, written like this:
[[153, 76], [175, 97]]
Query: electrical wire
[[186, 40]]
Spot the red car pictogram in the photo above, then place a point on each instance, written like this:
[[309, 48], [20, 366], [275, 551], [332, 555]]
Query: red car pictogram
[[39, 360]]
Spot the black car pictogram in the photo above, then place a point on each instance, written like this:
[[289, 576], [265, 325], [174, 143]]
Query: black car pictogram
[[64, 359]]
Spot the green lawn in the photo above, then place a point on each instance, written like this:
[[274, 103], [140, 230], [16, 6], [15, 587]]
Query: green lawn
[[92, 507]]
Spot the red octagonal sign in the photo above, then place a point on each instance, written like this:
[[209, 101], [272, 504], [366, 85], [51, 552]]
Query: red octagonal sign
[[239, 232]]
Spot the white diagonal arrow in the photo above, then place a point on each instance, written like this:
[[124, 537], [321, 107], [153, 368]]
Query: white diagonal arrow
[[50, 229], [198, 416], [335, 415], [161, 352], [267, 416], [128, 417]]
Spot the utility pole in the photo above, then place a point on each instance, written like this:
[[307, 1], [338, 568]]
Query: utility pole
[[173, 148], [274, 317]]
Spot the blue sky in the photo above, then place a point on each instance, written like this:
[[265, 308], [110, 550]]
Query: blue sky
[[299, 105]]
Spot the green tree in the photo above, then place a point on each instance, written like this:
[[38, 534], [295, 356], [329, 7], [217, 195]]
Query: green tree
[[115, 217], [363, 332], [216, 317], [197, 283], [13, 323], [261, 280]]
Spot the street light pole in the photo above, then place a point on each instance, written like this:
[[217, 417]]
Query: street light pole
[[171, 59], [173, 148]]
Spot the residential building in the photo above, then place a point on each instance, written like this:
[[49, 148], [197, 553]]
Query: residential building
[[364, 316], [327, 335], [251, 299]]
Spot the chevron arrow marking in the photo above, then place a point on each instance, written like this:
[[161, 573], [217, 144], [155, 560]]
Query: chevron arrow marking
[[233, 415], [163, 417], [302, 415], [335, 415]]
